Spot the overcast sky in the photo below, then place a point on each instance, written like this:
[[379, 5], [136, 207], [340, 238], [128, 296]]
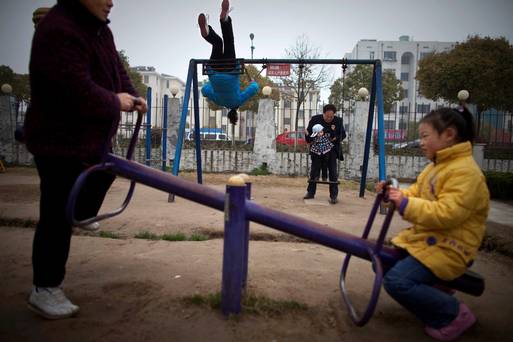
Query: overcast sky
[[164, 33]]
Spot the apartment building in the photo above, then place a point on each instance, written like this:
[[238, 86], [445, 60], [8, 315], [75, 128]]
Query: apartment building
[[402, 57], [161, 84]]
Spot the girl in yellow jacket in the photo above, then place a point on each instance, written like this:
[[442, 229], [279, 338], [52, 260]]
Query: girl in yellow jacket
[[448, 207]]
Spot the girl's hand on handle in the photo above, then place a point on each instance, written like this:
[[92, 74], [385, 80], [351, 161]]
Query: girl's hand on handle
[[395, 195], [126, 101], [380, 186]]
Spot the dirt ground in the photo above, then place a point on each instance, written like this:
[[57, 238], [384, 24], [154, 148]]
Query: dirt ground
[[132, 289]]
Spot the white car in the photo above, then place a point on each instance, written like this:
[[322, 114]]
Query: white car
[[407, 144]]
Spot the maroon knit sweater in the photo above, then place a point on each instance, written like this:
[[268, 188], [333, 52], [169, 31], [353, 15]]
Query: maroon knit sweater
[[75, 73]]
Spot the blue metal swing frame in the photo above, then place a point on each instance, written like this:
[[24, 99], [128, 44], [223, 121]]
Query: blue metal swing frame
[[376, 97]]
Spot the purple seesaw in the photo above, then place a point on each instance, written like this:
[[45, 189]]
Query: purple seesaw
[[240, 210]]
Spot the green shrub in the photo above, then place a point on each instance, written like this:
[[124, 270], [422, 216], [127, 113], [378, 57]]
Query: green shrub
[[260, 171], [500, 185]]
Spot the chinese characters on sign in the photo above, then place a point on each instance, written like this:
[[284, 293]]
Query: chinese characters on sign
[[278, 70]]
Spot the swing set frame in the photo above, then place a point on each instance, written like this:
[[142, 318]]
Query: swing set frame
[[375, 100]]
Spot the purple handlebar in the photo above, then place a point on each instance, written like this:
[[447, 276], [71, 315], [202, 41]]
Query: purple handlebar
[[104, 166]]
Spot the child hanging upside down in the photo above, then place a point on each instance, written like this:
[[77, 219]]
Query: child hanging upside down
[[224, 86]]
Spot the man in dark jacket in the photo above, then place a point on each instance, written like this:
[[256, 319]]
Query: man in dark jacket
[[78, 88], [333, 128]]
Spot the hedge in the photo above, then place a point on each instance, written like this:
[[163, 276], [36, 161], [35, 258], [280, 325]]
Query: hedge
[[500, 184]]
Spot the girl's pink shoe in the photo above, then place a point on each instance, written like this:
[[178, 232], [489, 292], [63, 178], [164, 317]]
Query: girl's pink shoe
[[462, 322]]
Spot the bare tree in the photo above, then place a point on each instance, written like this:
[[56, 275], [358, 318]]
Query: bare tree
[[304, 77]]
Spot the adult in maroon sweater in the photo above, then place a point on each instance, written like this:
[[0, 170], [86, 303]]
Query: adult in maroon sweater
[[78, 89]]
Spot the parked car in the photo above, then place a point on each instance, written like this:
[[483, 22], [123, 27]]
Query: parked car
[[407, 144], [288, 138], [207, 134]]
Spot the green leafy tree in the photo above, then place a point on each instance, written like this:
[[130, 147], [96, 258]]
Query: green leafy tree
[[483, 66], [361, 76], [19, 83], [135, 77], [252, 103]]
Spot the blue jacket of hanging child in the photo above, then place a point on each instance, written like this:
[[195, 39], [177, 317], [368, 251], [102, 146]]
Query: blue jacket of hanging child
[[224, 90]]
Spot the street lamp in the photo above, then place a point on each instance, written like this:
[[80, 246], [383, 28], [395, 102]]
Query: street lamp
[[251, 36], [6, 89], [363, 93], [174, 90]]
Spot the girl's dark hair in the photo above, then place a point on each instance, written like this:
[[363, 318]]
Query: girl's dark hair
[[460, 119], [232, 116]]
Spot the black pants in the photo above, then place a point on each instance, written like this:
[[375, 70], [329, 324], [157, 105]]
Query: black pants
[[222, 50], [53, 232], [330, 159]]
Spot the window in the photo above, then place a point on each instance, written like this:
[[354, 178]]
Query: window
[[402, 123], [403, 109], [405, 76], [405, 59], [405, 92], [389, 124], [389, 56], [212, 121], [371, 54], [146, 79], [425, 54], [423, 108], [286, 121], [167, 84], [286, 104]]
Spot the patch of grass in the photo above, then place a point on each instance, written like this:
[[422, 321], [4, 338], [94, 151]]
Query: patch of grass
[[147, 236], [212, 300], [261, 305], [174, 237], [17, 222], [256, 305], [109, 235], [198, 237], [260, 171]]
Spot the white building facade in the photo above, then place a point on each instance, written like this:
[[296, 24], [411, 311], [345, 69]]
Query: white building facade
[[161, 84], [402, 58]]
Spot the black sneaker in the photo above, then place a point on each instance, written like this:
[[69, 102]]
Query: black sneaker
[[308, 196], [333, 200]]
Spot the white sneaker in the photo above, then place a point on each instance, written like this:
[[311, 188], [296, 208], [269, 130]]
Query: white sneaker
[[91, 227], [51, 303]]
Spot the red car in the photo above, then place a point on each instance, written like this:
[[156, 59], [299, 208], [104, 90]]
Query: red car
[[287, 138]]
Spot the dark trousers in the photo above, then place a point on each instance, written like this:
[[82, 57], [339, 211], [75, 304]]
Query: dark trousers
[[330, 159], [222, 50], [53, 232], [411, 284]]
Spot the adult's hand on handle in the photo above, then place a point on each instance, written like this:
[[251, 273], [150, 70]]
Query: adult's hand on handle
[[140, 105], [126, 101]]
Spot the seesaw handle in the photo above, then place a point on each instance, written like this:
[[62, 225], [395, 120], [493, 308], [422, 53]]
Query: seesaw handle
[[378, 279], [103, 166], [377, 265]]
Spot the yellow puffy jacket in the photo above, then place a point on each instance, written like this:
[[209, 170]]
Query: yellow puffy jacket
[[448, 206]]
